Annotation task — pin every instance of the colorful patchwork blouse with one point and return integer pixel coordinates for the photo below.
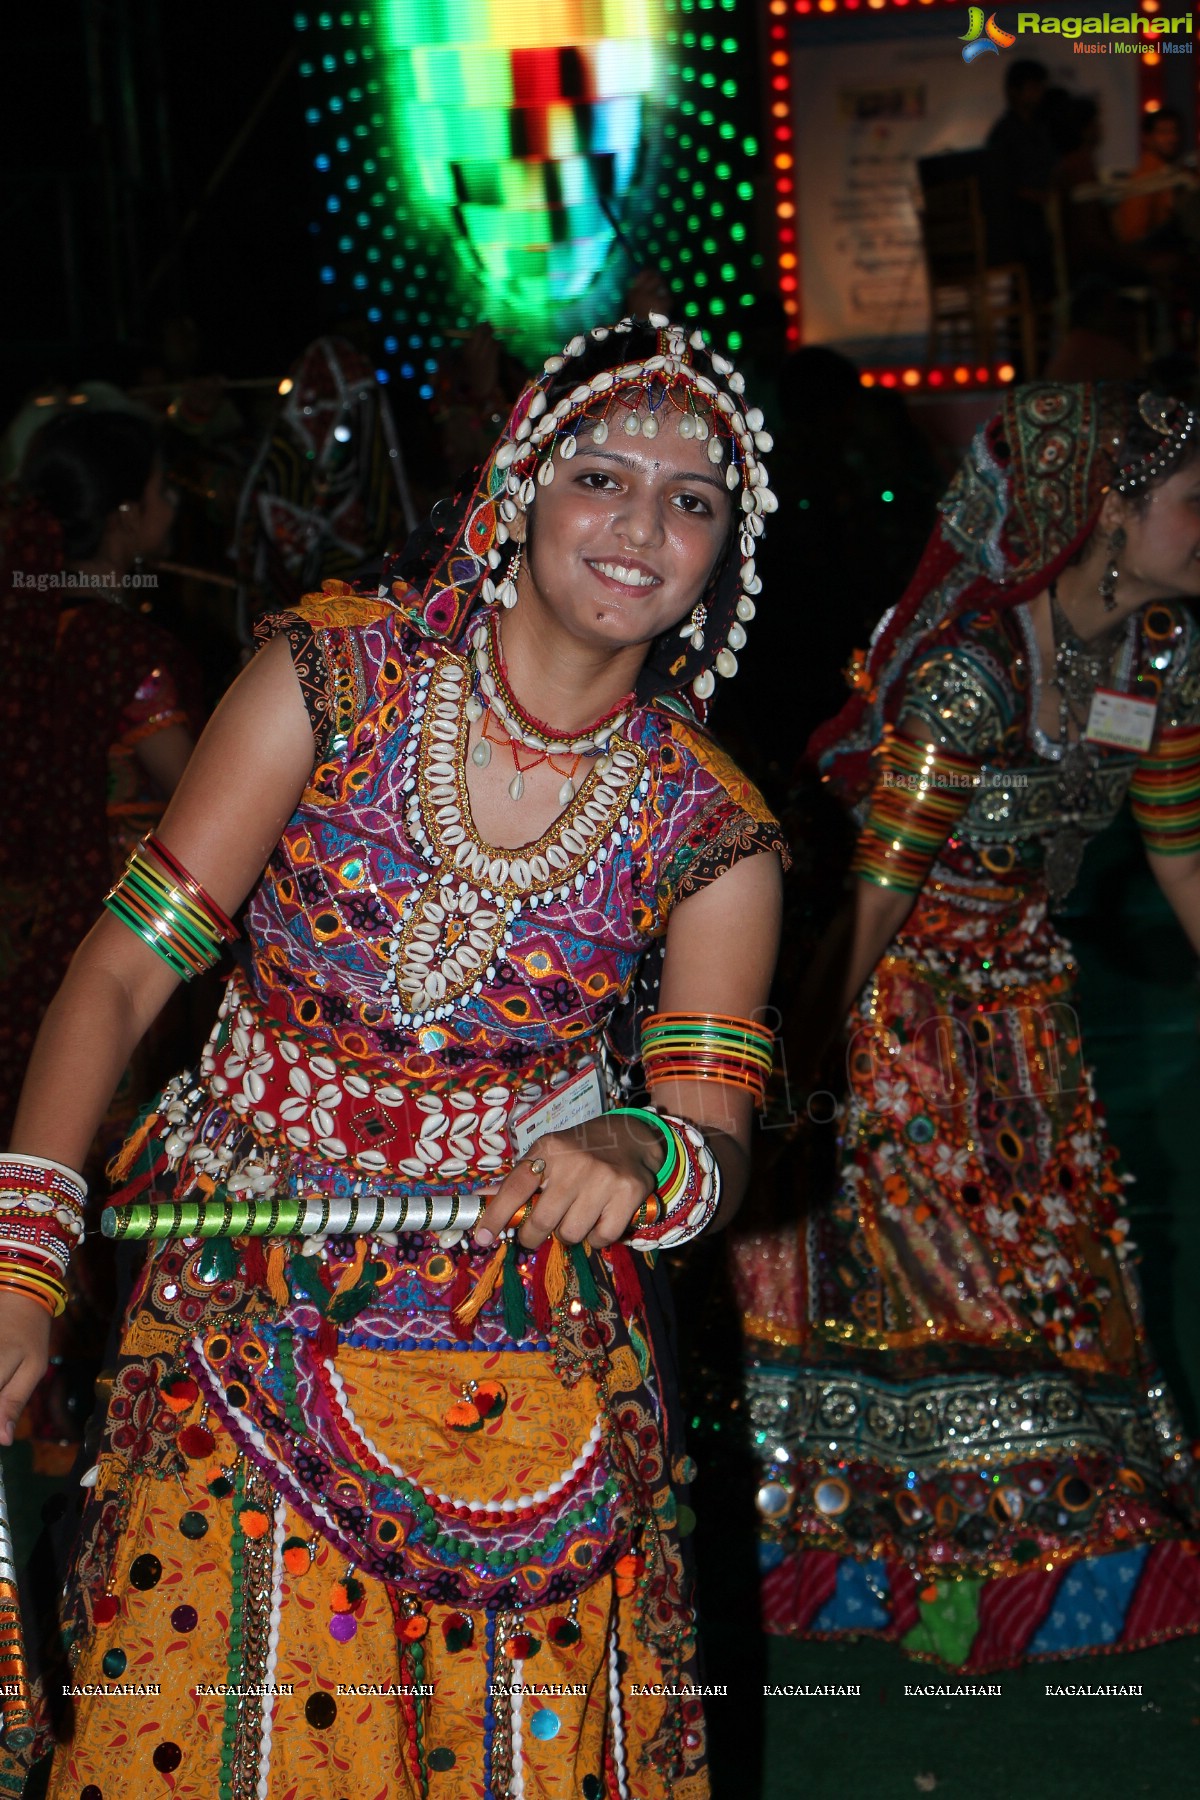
(437, 953)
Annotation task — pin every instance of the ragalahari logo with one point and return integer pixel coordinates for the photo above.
(983, 36)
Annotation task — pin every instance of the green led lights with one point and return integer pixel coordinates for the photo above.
(520, 140)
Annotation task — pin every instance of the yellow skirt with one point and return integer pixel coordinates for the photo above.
(344, 1706)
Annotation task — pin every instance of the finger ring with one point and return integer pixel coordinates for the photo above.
(538, 1165)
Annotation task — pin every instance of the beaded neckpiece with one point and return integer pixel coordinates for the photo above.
(455, 928)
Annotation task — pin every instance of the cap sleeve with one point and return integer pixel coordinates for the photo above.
(334, 661)
(959, 694)
(717, 817)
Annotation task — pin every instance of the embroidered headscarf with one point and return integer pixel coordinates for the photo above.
(631, 376)
(1023, 504)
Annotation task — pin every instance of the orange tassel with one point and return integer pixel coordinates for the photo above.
(556, 1273)
(277, 1286)
(127, 1155)
(354, 1269)
(469, 1309)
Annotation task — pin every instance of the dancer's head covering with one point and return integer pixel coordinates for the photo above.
(1023, 505)
(628, 376)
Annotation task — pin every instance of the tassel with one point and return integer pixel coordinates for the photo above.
(146, 1179)
(122, 1163)
(254, 1262)
(275, 1280)
(353, 1269)
(627, 1288)
(459, 1290)
(516, 1319)
(587, 1286)
(468, 1310)
(326, 1340)
(556, 1274)
(543, 1312)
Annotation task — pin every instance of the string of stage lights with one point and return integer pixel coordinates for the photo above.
(521, 166)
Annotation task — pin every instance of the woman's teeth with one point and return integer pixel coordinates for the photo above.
(628, 577)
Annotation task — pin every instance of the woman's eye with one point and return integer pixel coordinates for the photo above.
(596, 480)
(693, 503)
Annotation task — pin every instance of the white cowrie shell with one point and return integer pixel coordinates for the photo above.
(371, 1159)
(253, 1086)
(736, 638)
(323, 1121)
(329, 1095)
(727, 663)
(333, 1146)
(294, 1109)
(746, 608)
(704, 685)
(357, 1086)
(299, 1136)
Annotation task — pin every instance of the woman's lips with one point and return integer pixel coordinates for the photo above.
(623, 574)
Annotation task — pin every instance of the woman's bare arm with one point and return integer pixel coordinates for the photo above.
(239, 790)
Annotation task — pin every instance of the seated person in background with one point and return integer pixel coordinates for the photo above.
(1018, 174)
(1090, 243)
(1154, 216)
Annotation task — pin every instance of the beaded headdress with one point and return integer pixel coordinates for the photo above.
(643, 370)
(1024, 502)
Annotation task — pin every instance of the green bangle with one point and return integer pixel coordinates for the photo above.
(652, 1118)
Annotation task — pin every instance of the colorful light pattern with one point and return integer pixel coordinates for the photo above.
(471, 155)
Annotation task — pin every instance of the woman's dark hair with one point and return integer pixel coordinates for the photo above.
(82, 465)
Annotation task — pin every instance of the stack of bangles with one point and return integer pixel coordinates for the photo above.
(41, 1219)
(160, 902)
(708, 1047)
(921, 793)
(687, 1188)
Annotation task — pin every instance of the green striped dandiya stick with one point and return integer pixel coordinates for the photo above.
(311, 1215)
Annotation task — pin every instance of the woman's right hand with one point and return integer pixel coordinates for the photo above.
(24, 1355)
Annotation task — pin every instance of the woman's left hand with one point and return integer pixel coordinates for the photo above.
(594, 1179)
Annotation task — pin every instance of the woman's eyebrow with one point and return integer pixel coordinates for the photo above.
(629, 462)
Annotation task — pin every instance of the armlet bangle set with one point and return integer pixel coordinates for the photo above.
(687, 1188)
(41, 1219)
(921, 793)
(719, 1047)
(1165, 793)
(169, 911)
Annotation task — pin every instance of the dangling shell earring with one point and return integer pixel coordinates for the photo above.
(1111, 575)
(506, 593)
(693, 625)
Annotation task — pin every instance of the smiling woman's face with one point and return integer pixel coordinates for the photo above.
(623, 540)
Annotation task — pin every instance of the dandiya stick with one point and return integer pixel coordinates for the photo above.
(15, 1720)
(303, 1216)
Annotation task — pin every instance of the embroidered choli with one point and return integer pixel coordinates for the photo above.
(384, 925)
(977, 691)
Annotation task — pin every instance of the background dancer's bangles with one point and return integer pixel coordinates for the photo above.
(16, 1726)
(303, 1216)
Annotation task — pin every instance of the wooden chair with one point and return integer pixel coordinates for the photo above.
(984, 311)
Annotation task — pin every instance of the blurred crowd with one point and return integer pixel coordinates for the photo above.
(1115, 255)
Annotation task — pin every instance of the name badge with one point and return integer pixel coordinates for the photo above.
(574, 1103)
(1121, 720)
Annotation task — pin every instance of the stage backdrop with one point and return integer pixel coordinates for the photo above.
(864, 112)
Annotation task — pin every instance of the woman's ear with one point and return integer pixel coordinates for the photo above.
(518, 530)
(1114, 512)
